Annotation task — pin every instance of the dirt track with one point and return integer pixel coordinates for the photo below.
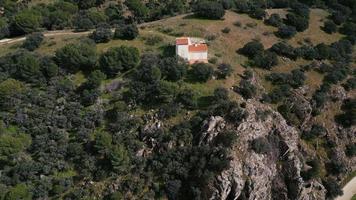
(349, 190)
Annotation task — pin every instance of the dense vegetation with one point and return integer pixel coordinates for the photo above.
(133, 124)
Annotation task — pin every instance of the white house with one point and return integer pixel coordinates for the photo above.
(192, 49)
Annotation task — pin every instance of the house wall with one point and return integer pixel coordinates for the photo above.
(198, 55)
(182, 51)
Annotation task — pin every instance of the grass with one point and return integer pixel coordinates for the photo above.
(348, 178)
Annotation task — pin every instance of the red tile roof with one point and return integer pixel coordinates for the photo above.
(198, 48)
(182, 41)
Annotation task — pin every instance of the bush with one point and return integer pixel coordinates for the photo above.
(226, 30)
(221, 94)
(76, 57)
(257, 13)
(127, 32)
(350, 150)
(348, 28)
(274, 20)
(33, 41)
(119, 59)
(246, 89)
(188, 98)
(315, 131)
(24, 22)
(286, 32)
(265, 60)
(224, 70)
(202, 72)
(261, 145)
(251, 49)
(4, 28)
(332, 187)
(284, 49)
(350, 84)
(172, 69)
(300, 23)
(338, 18)
(209, 10)
(102, 34)
(329, 27)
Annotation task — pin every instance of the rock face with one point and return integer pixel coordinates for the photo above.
(273, 175)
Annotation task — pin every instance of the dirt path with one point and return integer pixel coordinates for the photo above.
(46, 34)
(349, 190)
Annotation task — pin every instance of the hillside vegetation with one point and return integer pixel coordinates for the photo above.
(107, 111)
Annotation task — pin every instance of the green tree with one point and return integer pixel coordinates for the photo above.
(26, 21)
(103, 142)
(76, 57)
(20, 191)
(102, 34)
(202, 72)
(11, 145)
(119, 59)
(119, 158)
(95, 78)
(251, 49)
(33, 41)
(209, 10)
(4, 28)
(126, 32)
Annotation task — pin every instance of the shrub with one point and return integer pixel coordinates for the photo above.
(237, 23)
(33, 41)
(188, 98)
(119, 59)
(348, 28)
(265, 60)
(202, 72)
(226, 30)
(76, 57)
(257, 13)
(224, 70)
(4, 28)
(246, 89)
(286, 31)
(332, 187)
(350, 150)
(209, 10)
(26, 21)
(274, 20)
(284, 49)
(153, 40)
(350, 84)
(300, 23)
(251, 49)
(172, 69)
(126, 32)
(102, 34)
(329, 27)
(83, 24)
(338, 18)
(261, 145)
(315, 131)
(221, 93)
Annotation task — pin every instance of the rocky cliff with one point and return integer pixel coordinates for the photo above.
(269, 175)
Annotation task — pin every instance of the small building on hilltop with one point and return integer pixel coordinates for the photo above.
(192, 50)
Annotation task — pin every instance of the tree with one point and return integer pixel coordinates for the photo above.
(172, 68)
(209, 10)
(251, 49)
(119, 158)
(126, 32)
(119, 59)
(265, 60)
(74, 57)
(350, 150)
(188, 98)
(261, 145)
(221, 93)
(274, 20)
(299, 22)
(246, 89)
(332, 187)
(24, 22)
(20, 191)
(202, 72)
(284, 49)
(4, 28)
(11, 145)
(224, 70)
(102, 34)
(28, 67)
(138, 8)
(257, 13)
(33, 41)
(286, 31)
(329, 27)
(94, 79)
